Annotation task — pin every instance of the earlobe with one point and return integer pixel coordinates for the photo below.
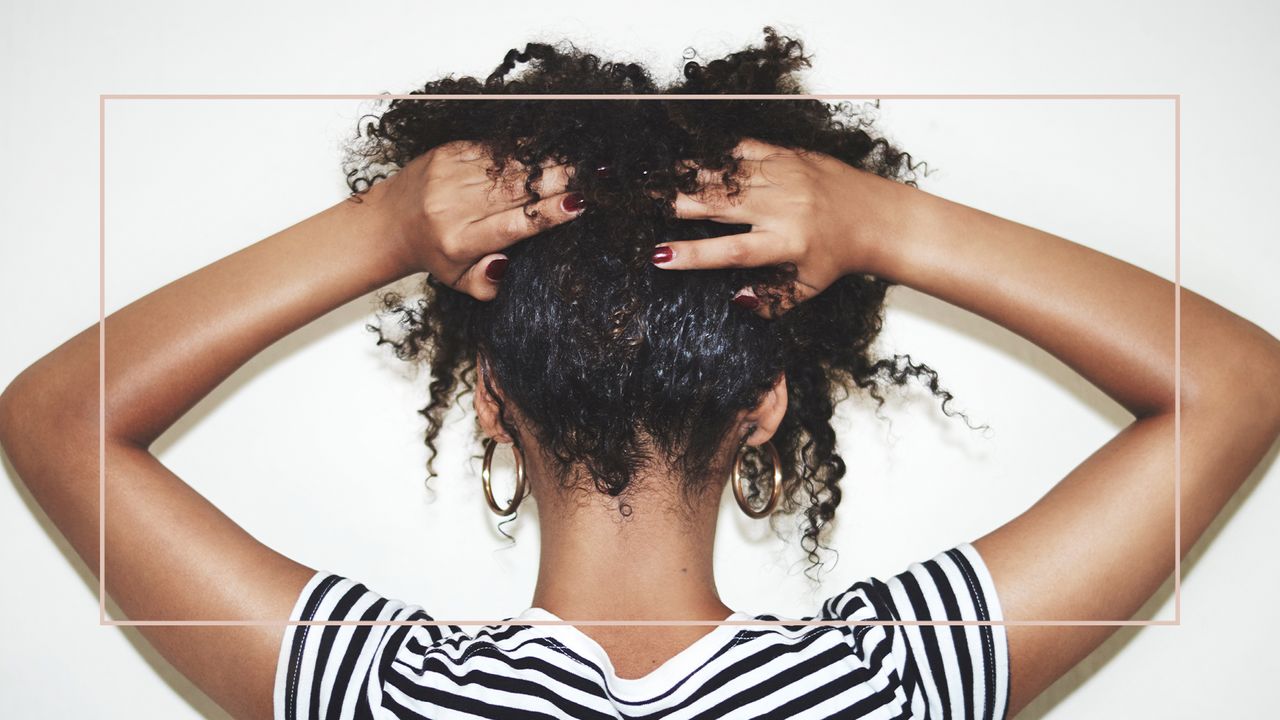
(768, 413)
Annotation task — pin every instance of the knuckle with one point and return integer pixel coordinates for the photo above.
(737, 252)
(688, 253)
(457, 146)
(439, 155)
(436, 176)
(469, 283)
(803, 197)
(795, 245)
(434, 207)
(515, 224)
(505, 190)
(452, 249)
(466, 284)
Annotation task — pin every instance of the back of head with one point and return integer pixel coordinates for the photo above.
(612, 364)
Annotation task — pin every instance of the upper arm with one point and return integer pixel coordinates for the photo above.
(169, 553)
(1100, 543)
(173, 555)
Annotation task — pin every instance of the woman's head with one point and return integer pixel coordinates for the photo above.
(607, 364)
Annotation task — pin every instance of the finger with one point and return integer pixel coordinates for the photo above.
(465, 151)
(717, 181)
(481, 280)
(554, 179)
(751, 152)
(509, 190)
(507, 227)
(749, 301)
(706, 177)
(747, 175)
(714, 201)
(756, 149)
(713, 206)
(771, 304)
(750, 249)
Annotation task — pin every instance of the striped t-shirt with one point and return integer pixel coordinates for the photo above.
(734, 671)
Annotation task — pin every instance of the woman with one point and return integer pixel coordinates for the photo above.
(648, 291)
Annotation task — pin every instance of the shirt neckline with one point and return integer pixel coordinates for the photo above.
(656, 681)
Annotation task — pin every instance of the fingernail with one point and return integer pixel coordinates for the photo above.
(496, 269)
(604, 171)
(662, 254)
(746, 302)
(573, 202)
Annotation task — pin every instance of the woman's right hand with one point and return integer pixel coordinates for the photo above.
(453, 220)
(822, 216)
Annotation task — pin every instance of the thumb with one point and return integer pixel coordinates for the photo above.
(481, 280)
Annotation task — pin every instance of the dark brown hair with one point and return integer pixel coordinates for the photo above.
(611, 362)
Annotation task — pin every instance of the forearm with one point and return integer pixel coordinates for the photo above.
(167, 350)
(1110, 321)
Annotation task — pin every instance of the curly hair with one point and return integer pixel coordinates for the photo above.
(612, 363)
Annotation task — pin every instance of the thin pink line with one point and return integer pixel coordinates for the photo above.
(644, 96)
(1177, 98)
(1177, 358)
(656, 623)
(102, 360)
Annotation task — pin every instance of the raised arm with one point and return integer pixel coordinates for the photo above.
(171, 554)
(1100, 543)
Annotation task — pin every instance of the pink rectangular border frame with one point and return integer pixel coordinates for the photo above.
(1177, 334)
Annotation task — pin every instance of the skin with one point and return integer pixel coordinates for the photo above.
(1096, 546)
(657, 565)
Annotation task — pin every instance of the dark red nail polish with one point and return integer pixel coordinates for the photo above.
(496, 269)
(662, 254)
(573, 202)
(747, 302)
(604, 171)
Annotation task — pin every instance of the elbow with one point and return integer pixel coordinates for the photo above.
(1269, 389)
(1262, 374)
(9, 412)
(35, 409)
(18, 406)
(1245, 385)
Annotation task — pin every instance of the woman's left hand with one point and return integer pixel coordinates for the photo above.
(808, 209)
(451, 218)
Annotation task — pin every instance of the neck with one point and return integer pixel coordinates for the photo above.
(654, 564)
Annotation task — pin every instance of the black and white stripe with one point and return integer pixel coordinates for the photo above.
(782, 671)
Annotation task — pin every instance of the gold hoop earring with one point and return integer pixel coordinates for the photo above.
(486, 479)
(775, 494)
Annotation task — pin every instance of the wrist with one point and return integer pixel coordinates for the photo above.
(892, 221)
(381, 233)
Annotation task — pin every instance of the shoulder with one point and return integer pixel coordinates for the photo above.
(342, 638)
(936, 625)
(351, 651)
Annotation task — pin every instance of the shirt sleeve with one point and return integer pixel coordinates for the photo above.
(326, 672)
(955, 671)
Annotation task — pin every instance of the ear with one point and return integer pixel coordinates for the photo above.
(487, 404)
(768, 413)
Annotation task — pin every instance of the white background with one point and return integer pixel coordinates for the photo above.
(323, 423)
